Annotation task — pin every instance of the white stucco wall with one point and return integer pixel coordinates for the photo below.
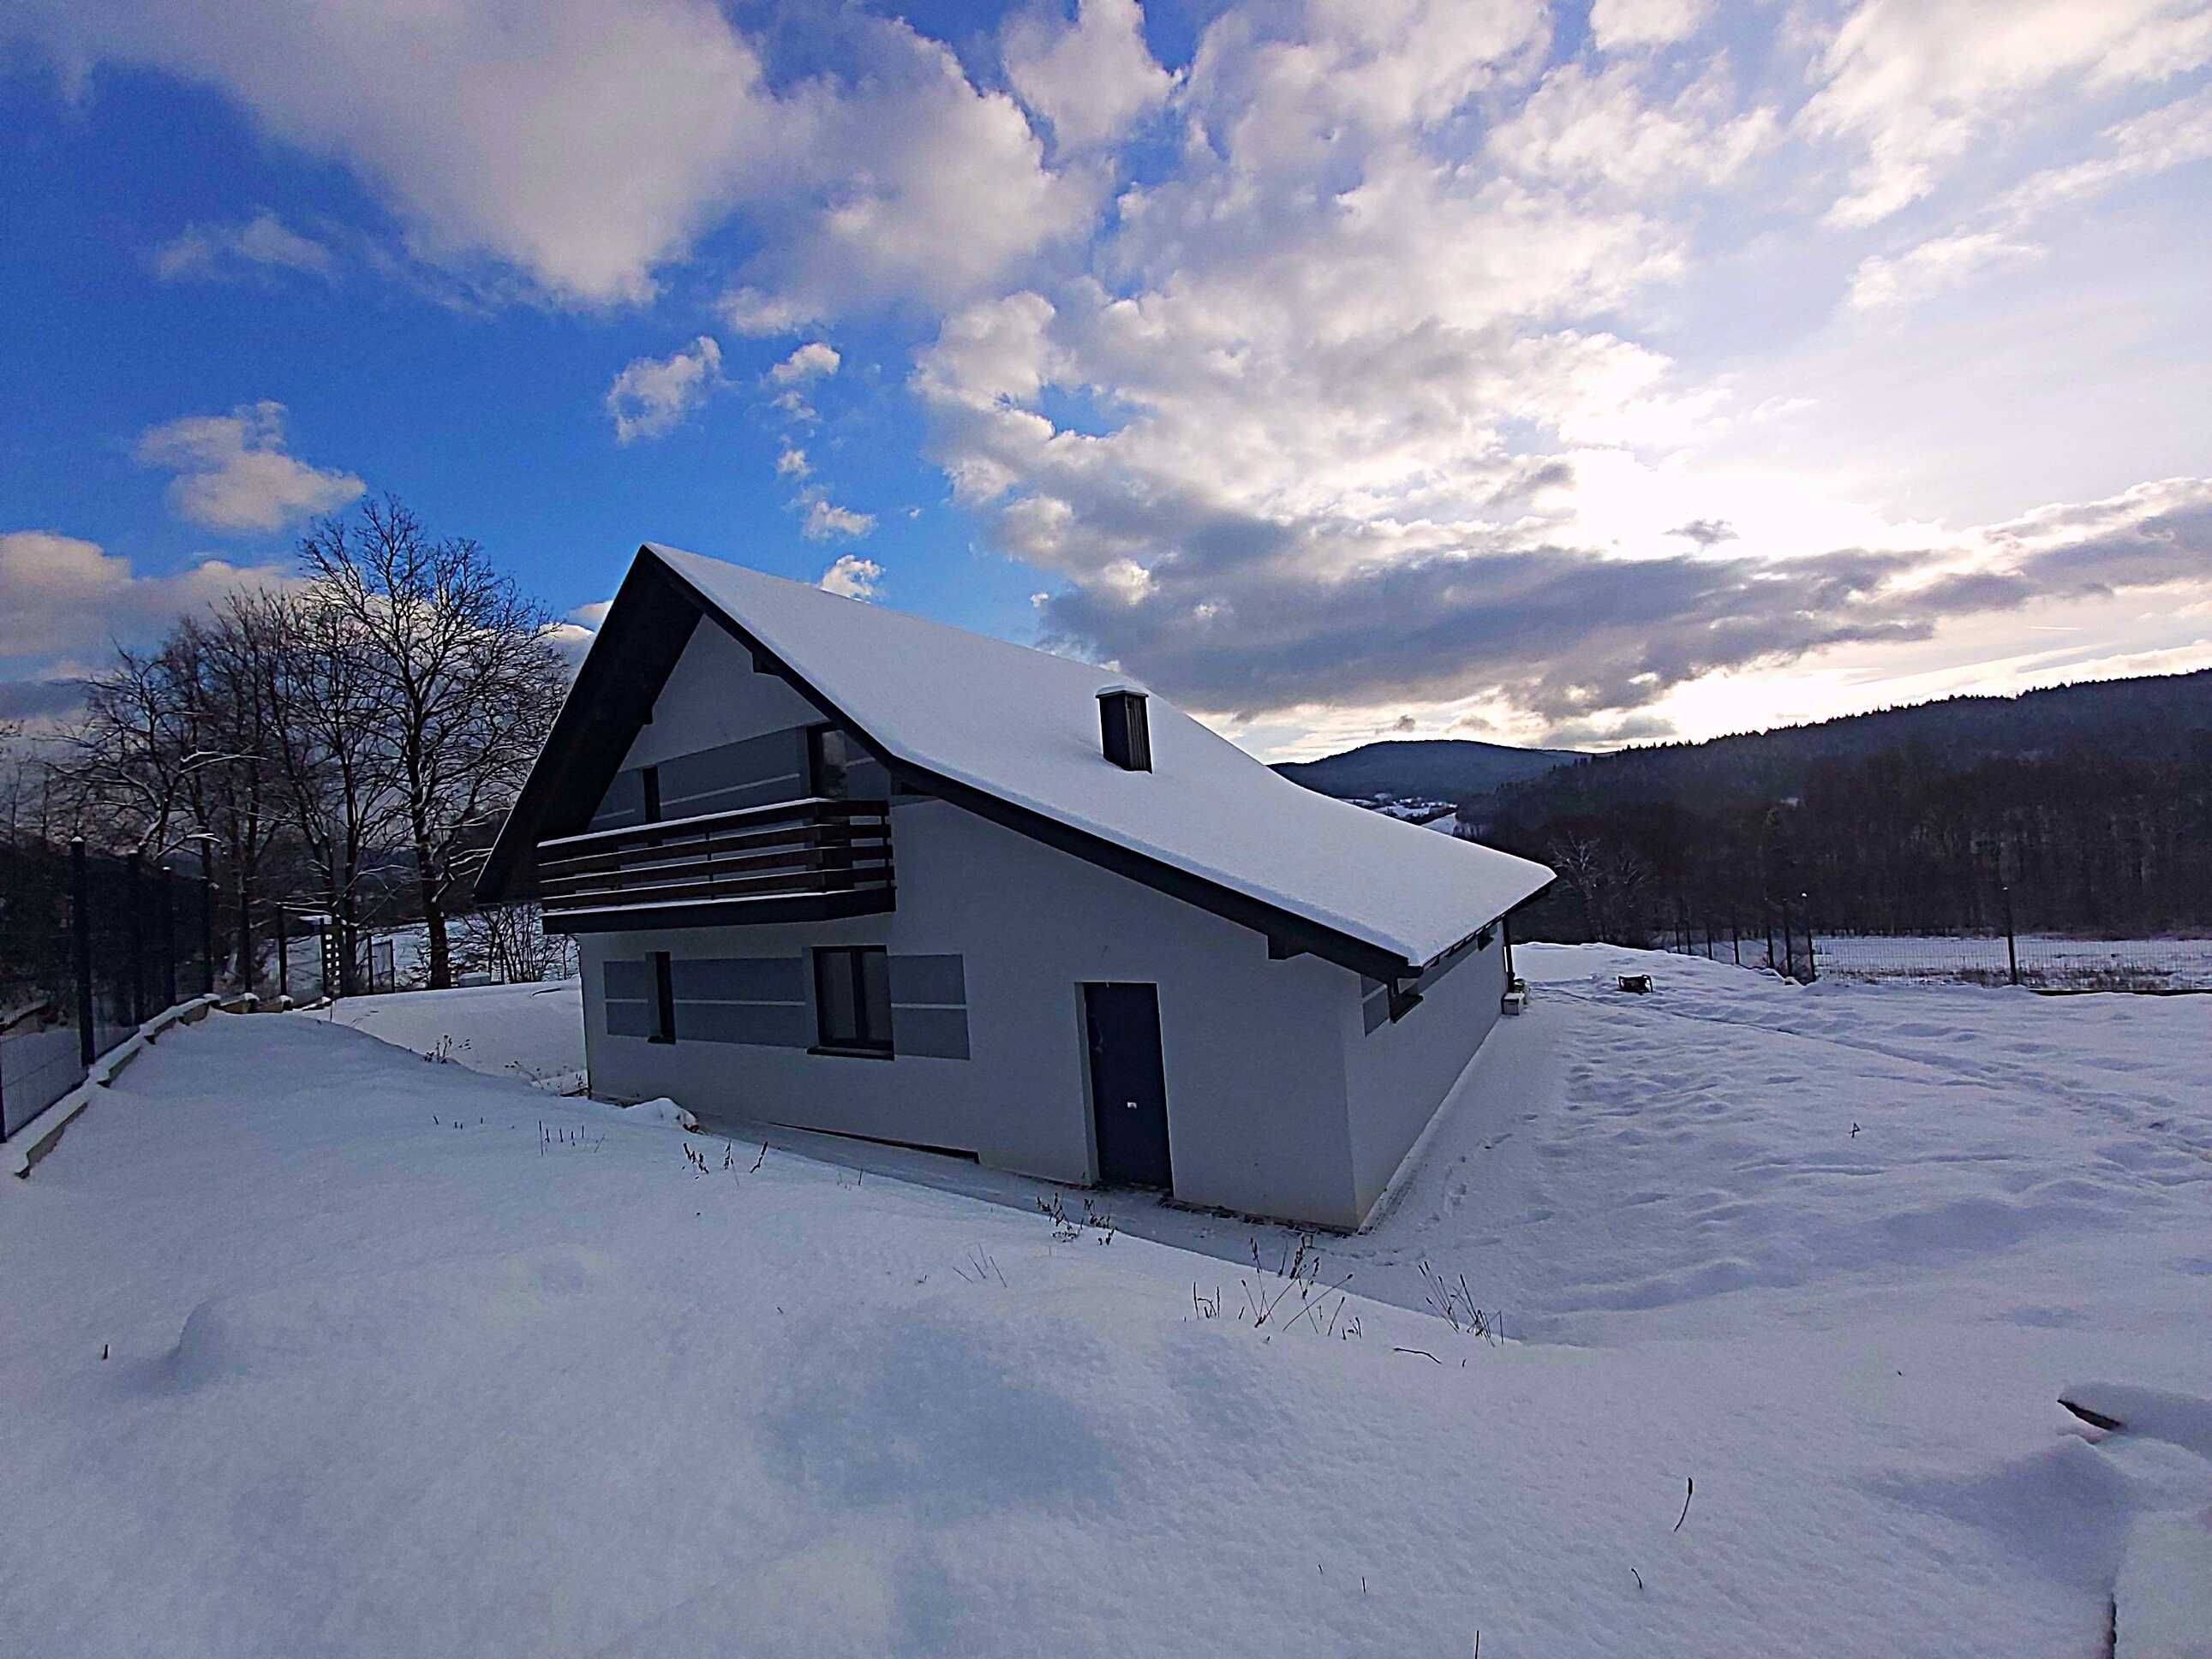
(1253, 1048)
(1399, 1073)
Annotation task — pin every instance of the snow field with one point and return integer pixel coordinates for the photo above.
(2168, 964)
(406, 1358)
(533, 1032)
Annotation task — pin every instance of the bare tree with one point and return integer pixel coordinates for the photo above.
(1580, 861)
(333, 769)
(26, 787)
(466, 683)
(127, 767)
(1608, 878)
(236, 653)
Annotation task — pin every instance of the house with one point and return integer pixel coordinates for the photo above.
(838, 868)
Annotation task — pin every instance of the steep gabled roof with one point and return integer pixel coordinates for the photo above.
(1013, 734)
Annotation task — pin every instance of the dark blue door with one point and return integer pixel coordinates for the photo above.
(1128, 1085)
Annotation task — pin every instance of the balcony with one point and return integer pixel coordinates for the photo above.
(800, 861)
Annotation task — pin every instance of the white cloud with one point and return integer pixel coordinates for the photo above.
(652, 396)
(816, 360)
(826, 521)
(2146, 144)
(262, 243)
(792, 462)
(917, 186)
(1914, 84)
(233, 474)
(1606, 128)
(1617, 25)
(853, 576)
(1931, 267)
(582, 141)
(1091, 77)
(66, 594)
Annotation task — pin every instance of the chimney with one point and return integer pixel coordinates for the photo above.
(1124, 729)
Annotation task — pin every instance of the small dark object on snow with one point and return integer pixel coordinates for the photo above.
(1640, 983)
(2094, 1420)
(1689, 1491)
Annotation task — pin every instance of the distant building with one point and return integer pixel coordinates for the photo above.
(846, 870)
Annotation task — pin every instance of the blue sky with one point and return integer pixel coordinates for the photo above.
(1576, 372)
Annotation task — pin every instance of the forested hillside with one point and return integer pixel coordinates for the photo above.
(2091, 803)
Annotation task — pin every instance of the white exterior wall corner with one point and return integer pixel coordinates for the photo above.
(1400, 1073)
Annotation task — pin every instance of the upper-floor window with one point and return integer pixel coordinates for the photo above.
(842, 770)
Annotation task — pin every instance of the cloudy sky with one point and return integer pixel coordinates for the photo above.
(1583, 372)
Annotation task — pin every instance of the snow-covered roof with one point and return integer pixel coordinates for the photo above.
(1022, 726)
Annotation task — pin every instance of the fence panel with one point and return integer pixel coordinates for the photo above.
(91, 947)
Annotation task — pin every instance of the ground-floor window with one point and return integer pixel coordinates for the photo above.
(664, 999)
(852, 998)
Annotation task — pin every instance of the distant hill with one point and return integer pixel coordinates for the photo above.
(1436, 768)
(2083, 808)
(2152, 718)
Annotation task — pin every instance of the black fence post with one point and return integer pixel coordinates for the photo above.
(168, 937)
(1812, 962)
(134, 909)
(1735, 936)
(283, 960)
(2012, 944)
(80, 937)
(207, 934)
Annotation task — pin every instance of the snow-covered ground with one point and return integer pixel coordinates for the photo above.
(2046, 959)
(403, 1358)
(534, 1032)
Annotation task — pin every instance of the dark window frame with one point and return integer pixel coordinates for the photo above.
(870, 1037)
(664, 999)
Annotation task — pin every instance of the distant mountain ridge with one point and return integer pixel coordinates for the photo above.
(1430, 768)
(2152, 717)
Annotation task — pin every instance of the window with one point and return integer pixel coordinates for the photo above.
(664, 999)
(651, 778)
(840, 770)
(853, 999)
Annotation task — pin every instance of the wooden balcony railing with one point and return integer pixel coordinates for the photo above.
(795, 861)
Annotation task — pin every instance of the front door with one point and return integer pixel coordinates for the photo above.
(1128, 1085)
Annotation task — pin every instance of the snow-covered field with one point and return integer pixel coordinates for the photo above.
(2045, 959)
(534, 1032)
(404, 1358)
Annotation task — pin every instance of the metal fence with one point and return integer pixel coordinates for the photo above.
(1773, 936)
(91, 947)
(1787, 939)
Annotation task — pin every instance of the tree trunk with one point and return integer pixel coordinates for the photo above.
(434, 921)
(248, 970)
